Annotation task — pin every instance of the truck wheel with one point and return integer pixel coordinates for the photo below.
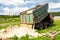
(51, 23)
(40, 26)
(45, 25)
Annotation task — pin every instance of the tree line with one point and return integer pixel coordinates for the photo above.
(55, 13)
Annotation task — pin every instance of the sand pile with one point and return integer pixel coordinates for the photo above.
(18, 31)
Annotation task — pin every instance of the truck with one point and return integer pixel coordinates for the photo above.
(37, 17)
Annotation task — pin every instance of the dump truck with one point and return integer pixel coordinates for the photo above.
(37, 17)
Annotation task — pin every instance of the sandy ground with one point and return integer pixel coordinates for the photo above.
(18, 31)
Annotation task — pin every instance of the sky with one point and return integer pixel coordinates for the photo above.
(14, 7)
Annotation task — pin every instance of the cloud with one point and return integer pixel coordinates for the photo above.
(10, 2)
(20, 2)
(14, 7)
(6, 9)
(13, 11)
(54, 5)
(31, 1)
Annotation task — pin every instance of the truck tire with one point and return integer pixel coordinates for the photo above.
(50, 23)
(45, 25)
(41, 26)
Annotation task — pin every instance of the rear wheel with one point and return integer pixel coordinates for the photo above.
(50, 23)
(41, 26)
(45, 25)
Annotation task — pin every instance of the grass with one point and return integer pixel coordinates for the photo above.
(13, 38)
(56, 27)
(41, 38)
(57, 37)
(35, 38)
(16, 21)
(4, 27)
(25, 37)
(55, 13)
(11, 20)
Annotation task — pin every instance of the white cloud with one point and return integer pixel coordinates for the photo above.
(13, 11)
(31, 1)
(37, 1)
(54, 5)
(6, 9)
(17, 10)
(18, 2)
(9, 2)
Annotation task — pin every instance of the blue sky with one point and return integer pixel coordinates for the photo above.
(14, 7)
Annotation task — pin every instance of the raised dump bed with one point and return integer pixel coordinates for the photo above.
(34, 15)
